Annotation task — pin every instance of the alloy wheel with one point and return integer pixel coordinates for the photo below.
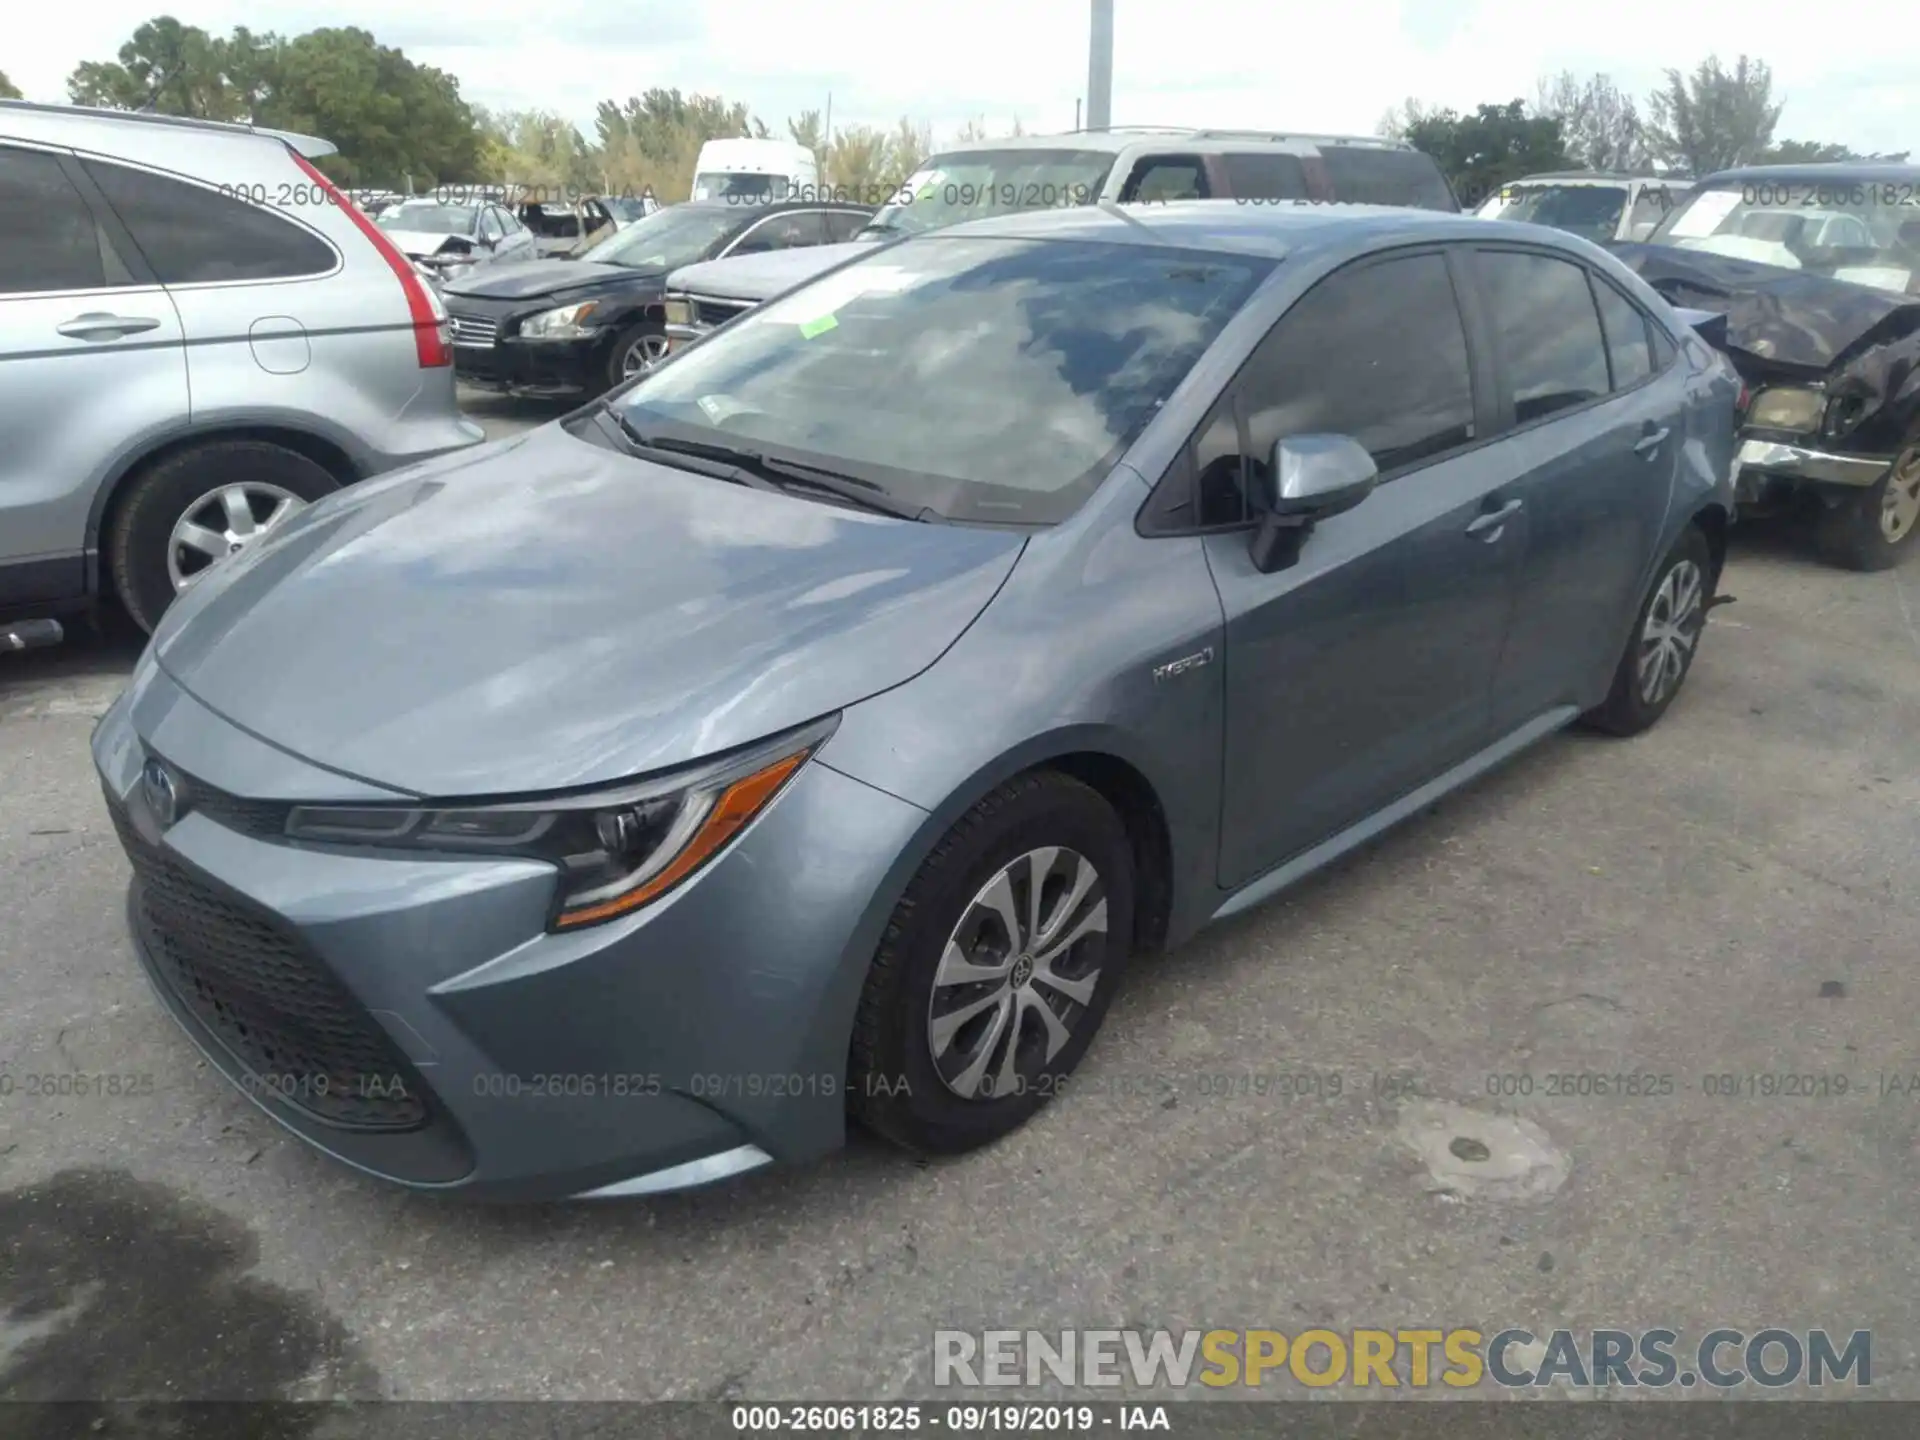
(224, 522)
(1017, 973)
(1900, 510)
(642, 355)
(1671, 631)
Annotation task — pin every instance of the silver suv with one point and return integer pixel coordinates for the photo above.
(198, 335)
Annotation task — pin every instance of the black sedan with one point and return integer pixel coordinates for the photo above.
(579, 327)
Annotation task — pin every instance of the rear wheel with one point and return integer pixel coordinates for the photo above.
(1873, 529)
(198, 506)
(996, 968)
(1666, 636)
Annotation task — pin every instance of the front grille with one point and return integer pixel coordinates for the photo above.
(709, 313)
(265, 819)
(301, 1038)
(474, 331)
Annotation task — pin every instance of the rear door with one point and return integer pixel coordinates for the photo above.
(792, 230)
(91, 363)
(1598, 424)
(1363, 670)
(1375, 175)
(1268, 176)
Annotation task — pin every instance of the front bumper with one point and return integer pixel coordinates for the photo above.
(515, 366)
(1800, 462)
(412, 1017)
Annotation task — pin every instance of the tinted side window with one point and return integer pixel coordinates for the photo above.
(192, 234)
(844, 225)
(1219, 473)
(1167, 177)
(783, 232)
(1548, 329)
(1253, 176)
(1626, 331)
(1377, 352)
(1363, 176)
(51, 241)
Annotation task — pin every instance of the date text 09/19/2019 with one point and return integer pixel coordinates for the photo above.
(959, 1419)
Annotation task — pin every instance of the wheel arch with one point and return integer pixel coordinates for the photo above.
(328, 453)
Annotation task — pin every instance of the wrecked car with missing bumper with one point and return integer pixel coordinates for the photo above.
(1817, 270)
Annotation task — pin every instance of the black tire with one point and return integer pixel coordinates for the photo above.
(1628, 710)
(623, 342)
(157, 498)
(1852, 535)
(894, 1087)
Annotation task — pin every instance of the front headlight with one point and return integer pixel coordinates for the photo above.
(1787, 408)
(679, 312)
(616, 849)
(564, 323)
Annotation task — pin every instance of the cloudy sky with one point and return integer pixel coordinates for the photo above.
(1330, 67)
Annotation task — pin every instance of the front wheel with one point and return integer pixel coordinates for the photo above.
(636, 350)
(1666, 636)
(996, 968)
(1873, 529)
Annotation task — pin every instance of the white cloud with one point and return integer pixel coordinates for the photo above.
(1195, 62)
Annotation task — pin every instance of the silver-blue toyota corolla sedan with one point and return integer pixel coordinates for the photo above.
(810, 730)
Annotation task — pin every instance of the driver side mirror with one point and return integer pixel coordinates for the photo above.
(1310, 478)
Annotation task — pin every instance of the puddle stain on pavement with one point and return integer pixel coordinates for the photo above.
(114, 1289)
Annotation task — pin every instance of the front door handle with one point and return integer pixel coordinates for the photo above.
(1650, 442)
(1488, 526)
(98, 325)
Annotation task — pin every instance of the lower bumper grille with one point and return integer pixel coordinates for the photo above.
(301, 1038)
(708, 314)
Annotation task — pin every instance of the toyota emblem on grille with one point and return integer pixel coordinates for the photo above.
(162, 793)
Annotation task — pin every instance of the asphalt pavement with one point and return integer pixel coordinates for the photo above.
(1728, 896)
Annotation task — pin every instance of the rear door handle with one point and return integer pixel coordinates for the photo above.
(1489, 525)
(97, 325)
(1650, 441)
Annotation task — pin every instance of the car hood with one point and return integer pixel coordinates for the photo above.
(524, 279)
(760, 277)
(545, 613)
(420, 242)
(1786, 320)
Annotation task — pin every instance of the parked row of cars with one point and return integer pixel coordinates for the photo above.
(811, 725)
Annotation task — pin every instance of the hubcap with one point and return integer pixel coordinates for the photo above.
(1671, 631)
(1901, 508)
(224, 522)
(643, 354)
(1017, 973)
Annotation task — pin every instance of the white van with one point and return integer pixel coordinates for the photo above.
(754, 170)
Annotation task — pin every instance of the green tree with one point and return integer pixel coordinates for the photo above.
(860, 159)
(1480, 152)
(807, 130)
(538, 148)
(7, 88)
(173, 68)
(1601, 127)
(910, 145)
(390, 118)
(1714, 119)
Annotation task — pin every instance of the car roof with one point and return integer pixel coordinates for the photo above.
(1845, 171)
(311, 146)
(1233, 227)
(1595, 177)
(770, 207)
(1116, 138)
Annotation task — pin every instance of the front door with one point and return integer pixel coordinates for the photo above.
(1364, 669)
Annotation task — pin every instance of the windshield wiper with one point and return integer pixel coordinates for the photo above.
(638, 442)
(774, 473)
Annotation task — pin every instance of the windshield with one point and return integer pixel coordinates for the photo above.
(1867, 232)
(675, 236)
(988, 380)
(429, 218)
(739, 185)
(1592, 211)
(624, 209)
(975, 183)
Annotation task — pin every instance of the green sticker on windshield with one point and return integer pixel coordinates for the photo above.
(818, 327)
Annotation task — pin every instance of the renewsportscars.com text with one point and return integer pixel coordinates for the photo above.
(1415, 1358)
